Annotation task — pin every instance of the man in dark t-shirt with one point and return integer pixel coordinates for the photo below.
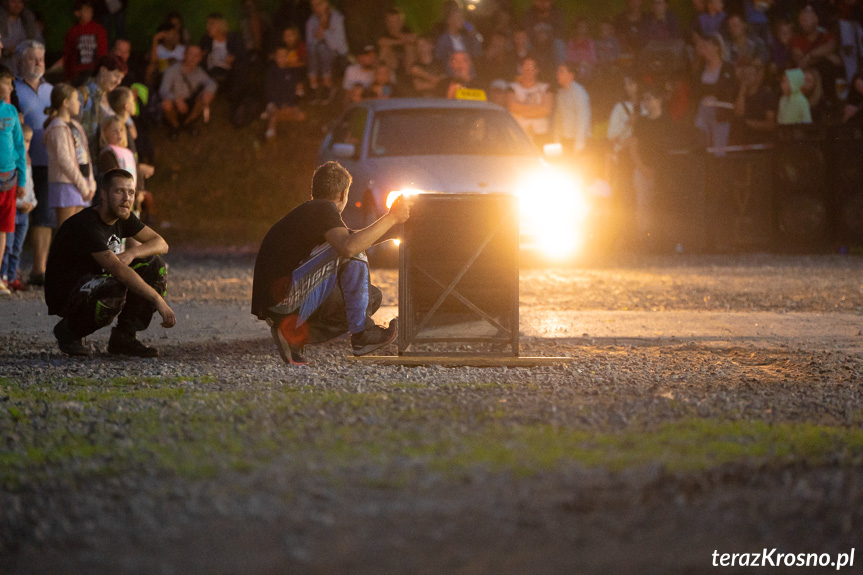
(90, 280)
(311, 280)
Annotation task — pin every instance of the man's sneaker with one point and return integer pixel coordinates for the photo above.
(36, 279)
(373, 338)
(290, 354)
(4, 290)
(124, 345)
(68, 343)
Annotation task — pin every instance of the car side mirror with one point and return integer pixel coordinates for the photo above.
(344, 151)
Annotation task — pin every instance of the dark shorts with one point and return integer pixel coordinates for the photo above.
(42, 215)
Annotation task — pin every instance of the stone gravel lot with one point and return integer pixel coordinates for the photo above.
(714, 403)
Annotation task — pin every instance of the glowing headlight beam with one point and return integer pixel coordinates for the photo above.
(553, 210)
(407, 192)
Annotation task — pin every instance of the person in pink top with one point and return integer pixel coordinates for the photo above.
(71, 184)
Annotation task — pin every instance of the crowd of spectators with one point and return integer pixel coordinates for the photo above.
(729, 75)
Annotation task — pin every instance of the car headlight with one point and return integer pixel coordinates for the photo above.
(392, 196)
(553, 209)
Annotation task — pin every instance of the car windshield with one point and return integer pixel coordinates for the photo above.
(447, 131)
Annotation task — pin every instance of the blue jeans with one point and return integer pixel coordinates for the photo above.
(321, 59)
(14, 246)
(347, 309)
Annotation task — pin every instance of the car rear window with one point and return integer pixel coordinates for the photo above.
(435, 132)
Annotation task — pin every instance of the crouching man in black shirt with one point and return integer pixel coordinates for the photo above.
(311, 280)
(90, 281)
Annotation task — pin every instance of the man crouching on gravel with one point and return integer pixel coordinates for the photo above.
(311, 279)
(90, 280)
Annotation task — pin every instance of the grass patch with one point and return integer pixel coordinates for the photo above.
(84, 428)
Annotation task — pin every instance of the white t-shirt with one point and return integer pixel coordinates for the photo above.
(176, 54)
(531, 96)
(356, 74)
(218, 57)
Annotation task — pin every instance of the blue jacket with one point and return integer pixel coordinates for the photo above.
(13, 156)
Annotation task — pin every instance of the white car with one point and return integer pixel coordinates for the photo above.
(413, 145)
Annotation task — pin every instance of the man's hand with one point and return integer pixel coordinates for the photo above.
(126, 257)
(181, 106)
(168, 318)
(26, 207)
(401, 209)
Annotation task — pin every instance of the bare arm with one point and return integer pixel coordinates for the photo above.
(152, 244)
(542, 110)
(350, 244)
(124, 274)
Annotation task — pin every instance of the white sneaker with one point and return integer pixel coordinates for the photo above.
(3, 289)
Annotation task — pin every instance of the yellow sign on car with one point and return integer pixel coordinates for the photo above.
(470, 94)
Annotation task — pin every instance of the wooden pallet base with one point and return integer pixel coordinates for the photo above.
(462, 361)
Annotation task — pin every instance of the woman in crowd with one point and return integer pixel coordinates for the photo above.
(326, 42)
(716, 92)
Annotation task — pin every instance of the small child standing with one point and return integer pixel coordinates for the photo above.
(281, 92)
(15, 240)
(86, 42)
(13, 162)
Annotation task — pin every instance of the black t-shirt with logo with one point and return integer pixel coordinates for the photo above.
(288, 243)
(71, 255)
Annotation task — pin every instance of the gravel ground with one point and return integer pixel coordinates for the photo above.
(649, 451)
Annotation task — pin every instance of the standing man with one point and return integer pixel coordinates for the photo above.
(311, 280)
(571, 126)
(90, 280)
(34, 96)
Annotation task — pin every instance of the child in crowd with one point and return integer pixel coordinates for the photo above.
(793, 106)
(115, 152)
(122, 102)
(296, 56)
(71, 183)
(354, 95)
(85, 43)
(165, 51)
(608, 48)
(281, 91)
(581, 49)
(15, 240)
(13, 162)
(382, 86)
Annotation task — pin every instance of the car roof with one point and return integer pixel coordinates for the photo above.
(425, 103)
